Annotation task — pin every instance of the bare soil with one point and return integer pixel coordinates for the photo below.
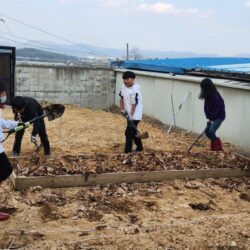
(200, 214)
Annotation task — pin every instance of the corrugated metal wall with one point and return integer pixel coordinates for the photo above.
(157, 89)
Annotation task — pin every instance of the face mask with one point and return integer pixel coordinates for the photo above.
(3, 99)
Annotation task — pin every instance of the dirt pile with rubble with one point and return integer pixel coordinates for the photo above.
(200, 214)
(136, 162)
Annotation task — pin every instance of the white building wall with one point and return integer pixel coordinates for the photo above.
(157, 89)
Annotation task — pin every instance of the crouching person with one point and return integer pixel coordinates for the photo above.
(5, 166)
(214, 108)
(25, 109)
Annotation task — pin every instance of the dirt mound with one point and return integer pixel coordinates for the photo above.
(107, 163)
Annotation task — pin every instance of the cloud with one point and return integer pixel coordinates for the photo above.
(69, 1)
(155, 8)
(248, 3)
(165, 8)
(116, 3)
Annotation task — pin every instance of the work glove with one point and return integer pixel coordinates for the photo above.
(22, 124)
(127, 115)
(124, 112)
(130, 118)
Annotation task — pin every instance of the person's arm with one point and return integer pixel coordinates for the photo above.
(133, 107)
(121, 104)
(134, 100)
(8, 124)
(34, 130)
(218, 106)
(33, 110)
(16, 118)
(121, 101)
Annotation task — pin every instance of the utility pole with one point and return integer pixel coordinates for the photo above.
(127, 52)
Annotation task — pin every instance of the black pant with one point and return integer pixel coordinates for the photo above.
(41, 130)
(130, 134)
(5, 167)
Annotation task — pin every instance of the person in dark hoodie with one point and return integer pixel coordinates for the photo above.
(214, 108)
(25, 109)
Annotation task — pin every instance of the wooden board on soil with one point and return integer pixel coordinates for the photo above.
(100, 168)
(60, 181)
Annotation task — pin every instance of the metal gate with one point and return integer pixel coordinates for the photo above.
(7, 69)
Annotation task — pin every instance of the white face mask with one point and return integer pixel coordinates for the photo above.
(3, 99)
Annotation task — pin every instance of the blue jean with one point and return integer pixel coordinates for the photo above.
(210, 132)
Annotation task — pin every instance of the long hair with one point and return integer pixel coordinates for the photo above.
(207, 88)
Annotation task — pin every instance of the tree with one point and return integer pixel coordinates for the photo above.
(134, 54)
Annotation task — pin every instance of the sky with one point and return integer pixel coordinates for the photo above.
(219, 27)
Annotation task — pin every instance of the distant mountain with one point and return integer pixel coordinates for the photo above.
(86, 50)
(40, 55)
(174, 54)
(243, 55)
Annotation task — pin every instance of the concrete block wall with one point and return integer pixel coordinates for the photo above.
(92, 87)
(157, 89)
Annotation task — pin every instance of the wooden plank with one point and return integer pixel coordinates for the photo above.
(28, 157)
(22, 182)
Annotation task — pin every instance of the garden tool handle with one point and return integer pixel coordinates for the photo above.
(198, 138)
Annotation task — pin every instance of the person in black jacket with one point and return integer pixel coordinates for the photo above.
(25, 109)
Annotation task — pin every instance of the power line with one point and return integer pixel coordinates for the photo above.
(12, 40)
(40, 43)
(5, 25)
(54, 35)
(32, 46)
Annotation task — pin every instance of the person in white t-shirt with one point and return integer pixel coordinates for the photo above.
(5, 166)
(131, 103)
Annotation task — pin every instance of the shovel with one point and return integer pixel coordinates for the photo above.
(144, 135)
(198, 138)
(52, 111)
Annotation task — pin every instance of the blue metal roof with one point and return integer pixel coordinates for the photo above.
(243, 68)
(181, 65)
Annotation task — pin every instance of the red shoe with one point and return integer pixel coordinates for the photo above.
(4, 216)
(219, 145)
(216, 145)
(213, 145)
